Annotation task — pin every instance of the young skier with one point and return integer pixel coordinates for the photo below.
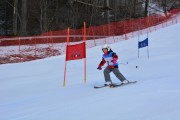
(110, 58)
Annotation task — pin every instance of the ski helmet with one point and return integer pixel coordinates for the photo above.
(106, 46)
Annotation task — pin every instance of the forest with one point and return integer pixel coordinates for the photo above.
(33, 17)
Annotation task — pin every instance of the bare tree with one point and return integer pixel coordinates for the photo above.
(31, 17)
(146, 8)
(15, 17)
(43, 15)
(23, 20)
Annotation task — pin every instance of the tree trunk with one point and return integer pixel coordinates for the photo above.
(134, 8)
(106, 15)
(15, 17)
(146, 8)
(45, 18)
(164, 5)
(43, 15)
(23, 30)
(6, 20)
(57, 16)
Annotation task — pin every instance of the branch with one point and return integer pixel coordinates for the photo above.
(102, 7)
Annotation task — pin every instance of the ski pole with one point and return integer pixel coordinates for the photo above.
(129, 65)
(124, 63)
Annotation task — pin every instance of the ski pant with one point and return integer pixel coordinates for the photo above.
(117, 73)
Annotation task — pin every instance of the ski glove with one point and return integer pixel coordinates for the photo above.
(99, 68)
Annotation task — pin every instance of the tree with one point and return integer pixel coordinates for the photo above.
(23, 20)
(32, 17)
(15, 17)
(146, 8)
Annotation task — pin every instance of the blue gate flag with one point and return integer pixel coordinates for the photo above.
(143, 43)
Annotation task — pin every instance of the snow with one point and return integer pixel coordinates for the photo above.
(33, 90)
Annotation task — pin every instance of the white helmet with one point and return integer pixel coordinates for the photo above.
(106, 46)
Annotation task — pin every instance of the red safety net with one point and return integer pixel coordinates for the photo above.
(44, 45)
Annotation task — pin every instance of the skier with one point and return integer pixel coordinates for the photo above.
(110, 58)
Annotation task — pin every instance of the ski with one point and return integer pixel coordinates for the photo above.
(122, 84)
(96, 87)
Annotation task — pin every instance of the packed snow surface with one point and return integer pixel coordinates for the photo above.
(34, 90)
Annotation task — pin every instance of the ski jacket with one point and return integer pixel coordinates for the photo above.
(110, 59)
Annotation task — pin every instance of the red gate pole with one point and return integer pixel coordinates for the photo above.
(64, 84)
(19, 50)
(84, 38)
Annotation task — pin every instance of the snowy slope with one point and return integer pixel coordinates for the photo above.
(33, 90)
